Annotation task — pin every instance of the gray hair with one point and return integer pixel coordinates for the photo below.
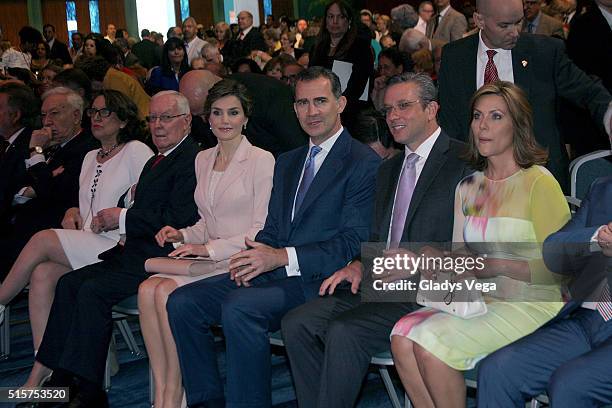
(427, 89)
(413, 40)
(404, 16)
(181, 101)
(72, 98)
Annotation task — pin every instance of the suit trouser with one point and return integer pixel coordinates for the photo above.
(330, 342)
(80, 323)
(247, 315)
(570, 359)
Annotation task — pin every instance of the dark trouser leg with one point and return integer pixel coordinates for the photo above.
(521, 370)
(91, 292)
(352, 339)
(304, 333)
(192, 310)
(248, 315)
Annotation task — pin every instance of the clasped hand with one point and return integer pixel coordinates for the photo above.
(106, 220)
(604, 239)
(258, 258)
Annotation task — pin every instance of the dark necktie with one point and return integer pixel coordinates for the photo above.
(51, 152)
(438, 17)
(156, 161)
(530, 28)
(490, 73)
(309, 173)
(403, 196)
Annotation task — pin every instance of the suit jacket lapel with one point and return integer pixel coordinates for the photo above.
(389, 198)
(471, 61)
(520, 65)
(234, 170)
(326, 174)
(434, 162)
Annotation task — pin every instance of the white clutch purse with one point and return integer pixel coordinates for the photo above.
(445, 295)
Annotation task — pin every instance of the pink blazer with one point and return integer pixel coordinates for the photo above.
(240, 203)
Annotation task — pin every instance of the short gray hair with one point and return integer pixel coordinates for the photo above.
(427, 89)
(404, 16)
(413, 40)
(72, 98)
(181, 101)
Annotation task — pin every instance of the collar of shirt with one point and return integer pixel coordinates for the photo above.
(443, 12)
(535, 22)
(51, 43)
(167, 153)
(245, 32)
(502, 60)
(607, 15)
(422, 151)
(14, 136)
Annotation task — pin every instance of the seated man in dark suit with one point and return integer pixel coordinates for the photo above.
(53, 166)
(19, 107)
(79, 330)
(318, 214)
(351, 331)
(571, 357)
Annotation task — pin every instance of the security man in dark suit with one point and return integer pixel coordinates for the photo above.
(538, 64)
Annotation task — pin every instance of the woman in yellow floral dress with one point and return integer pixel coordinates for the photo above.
(505, 209)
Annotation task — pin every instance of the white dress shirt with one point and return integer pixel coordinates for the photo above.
(502, 60)
(421, 26)
(293, 267)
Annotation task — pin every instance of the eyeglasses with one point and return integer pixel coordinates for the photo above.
(104, 112)
(162, 118)
(401, 107)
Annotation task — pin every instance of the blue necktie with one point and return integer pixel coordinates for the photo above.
(309, 173)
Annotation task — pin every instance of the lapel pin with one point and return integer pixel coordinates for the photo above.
(524, 62)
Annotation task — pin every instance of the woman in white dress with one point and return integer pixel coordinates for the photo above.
(106, 174)
(232, 194)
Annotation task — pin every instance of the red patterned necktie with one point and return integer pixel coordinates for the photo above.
(604, 305)
(159, 158)
(490, 73)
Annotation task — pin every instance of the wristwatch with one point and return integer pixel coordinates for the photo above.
(36, 149)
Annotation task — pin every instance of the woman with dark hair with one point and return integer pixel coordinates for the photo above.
(343, 38)
(106, 174)
(40, 59)
(94, 44)
(173, 66)
(372, 130)
(246, 65)
(504, 210)
(234, 185)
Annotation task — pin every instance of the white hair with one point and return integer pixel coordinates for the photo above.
(182, 103)
(72, 98)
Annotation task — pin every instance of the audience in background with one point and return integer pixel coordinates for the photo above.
(173, 66)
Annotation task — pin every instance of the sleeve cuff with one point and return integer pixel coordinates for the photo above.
(293, 269)
(594, 247)
(37, 158)
(122, 216)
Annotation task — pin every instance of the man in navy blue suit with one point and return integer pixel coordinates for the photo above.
(571, 357)
(318, 215)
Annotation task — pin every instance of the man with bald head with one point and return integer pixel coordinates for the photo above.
(539, 65)
(249, 39)
(194, 86)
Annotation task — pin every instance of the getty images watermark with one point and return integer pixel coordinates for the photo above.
(407, 264)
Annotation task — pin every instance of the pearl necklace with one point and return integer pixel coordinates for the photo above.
(105, 153)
